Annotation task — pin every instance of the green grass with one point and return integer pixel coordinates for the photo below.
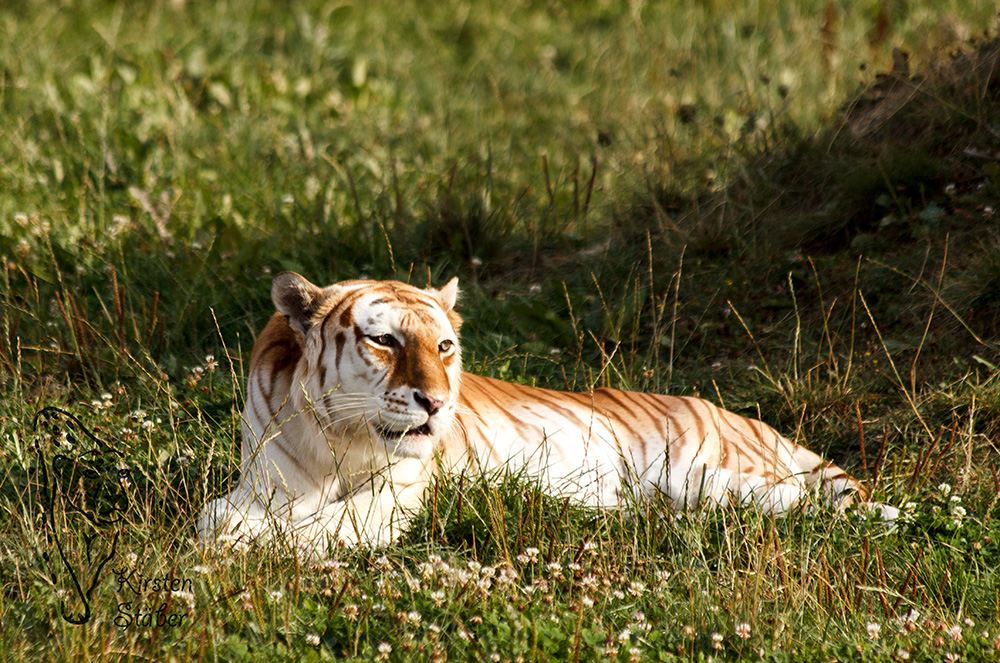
(711, 198)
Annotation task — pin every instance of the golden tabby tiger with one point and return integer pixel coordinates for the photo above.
(357, 399)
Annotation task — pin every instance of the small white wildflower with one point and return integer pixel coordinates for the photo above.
(743, 630)
(956, 499)
(625, 636)
(958, 511)
(384, 649)
(414, 617)
(590, 547)
(636, 588)
(618, 594)
(201, 570)
(351, 612)
(716, 640)
(587, 602)
(434, 628)
(186, 597)
(312, 640)
(477, 262)
(147, 425)
(588, 583)
(968, 622)
(903, 654)
(950, 657)
(554, 567)
(275, 595)
(495, 657)
(944, 488)
(987, 212)
(874, 629)
(474, 566)
(532, 554)
(955, 633)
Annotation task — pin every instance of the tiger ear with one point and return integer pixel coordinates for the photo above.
(448, 294)
(296, 298)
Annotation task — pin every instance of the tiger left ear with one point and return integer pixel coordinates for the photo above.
(296, 299)
(448, 293)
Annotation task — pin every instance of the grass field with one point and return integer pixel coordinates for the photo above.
(786, 208)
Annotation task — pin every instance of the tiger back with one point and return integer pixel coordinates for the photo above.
(356, 400)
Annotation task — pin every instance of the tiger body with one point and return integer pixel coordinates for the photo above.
(356, 401)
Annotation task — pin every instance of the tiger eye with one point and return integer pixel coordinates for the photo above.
(385, 340)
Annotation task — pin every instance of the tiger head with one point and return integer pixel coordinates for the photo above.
(380, 359)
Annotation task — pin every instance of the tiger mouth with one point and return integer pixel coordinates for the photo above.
(391, 435)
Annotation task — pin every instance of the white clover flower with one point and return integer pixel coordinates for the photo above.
(384, 649)
(716, 640)
(955, 633)
(588, 583)
(275, 595)
(636, 588)
(873, 629)
(587, 602)
(185, 596)
(944, 488)
(554, 567)
(312, 640)
(743, 630)
(625, 636)
(438, 598)
(618, 594)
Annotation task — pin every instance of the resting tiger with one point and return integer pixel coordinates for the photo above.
(357, 400)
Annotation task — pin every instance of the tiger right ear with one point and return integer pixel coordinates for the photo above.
(296, 298)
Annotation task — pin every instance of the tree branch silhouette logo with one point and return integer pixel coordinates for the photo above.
(83, 483)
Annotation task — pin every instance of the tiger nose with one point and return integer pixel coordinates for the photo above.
(429, 403)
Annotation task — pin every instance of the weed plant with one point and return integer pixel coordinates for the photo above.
(786, 208)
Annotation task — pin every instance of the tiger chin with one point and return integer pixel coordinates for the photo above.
(356, 400)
